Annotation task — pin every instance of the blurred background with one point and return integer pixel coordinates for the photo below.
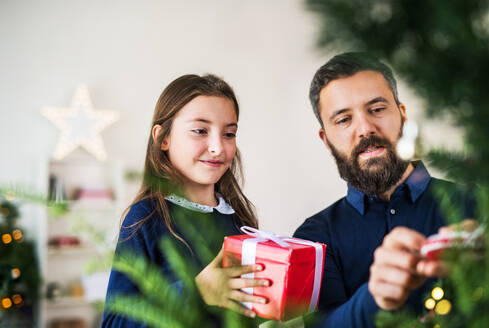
(126, 52)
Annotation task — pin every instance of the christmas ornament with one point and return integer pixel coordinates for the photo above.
(437, 303)
(80, 125)
(6, 302)
(407, 144)
(434, 246)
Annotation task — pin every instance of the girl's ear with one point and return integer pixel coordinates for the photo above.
(155, 133)
(165, 144)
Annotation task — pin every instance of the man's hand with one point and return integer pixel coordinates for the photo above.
(441, 268)
(221, 286)
(393, 273)
(468, 225)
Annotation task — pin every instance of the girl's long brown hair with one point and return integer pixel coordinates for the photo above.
(160, 178)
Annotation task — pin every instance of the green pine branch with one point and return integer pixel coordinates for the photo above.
(140, 309)
(160, 302)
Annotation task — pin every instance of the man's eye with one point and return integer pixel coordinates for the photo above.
(199, 131)
(377, 110)
(342, 120)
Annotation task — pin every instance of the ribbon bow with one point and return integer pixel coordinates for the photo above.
(267, 235)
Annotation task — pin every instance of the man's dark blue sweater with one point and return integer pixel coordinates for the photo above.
(352, 228)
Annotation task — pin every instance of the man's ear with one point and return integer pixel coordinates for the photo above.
(402, 110)
(155, 133)
(322, 136)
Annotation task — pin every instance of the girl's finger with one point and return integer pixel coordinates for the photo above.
(237, 271)
(238, 283)
(239, 308)
(240, 296)
(216, 262)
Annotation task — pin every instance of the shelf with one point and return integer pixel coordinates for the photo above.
(71, 250)
(93, 192)
(67, 301)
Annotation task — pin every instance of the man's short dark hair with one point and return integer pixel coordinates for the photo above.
(345, 65)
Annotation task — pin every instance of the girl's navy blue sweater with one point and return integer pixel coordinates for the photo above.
(144, 239)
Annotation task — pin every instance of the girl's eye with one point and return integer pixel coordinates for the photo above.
(199, 131)
(230, 135)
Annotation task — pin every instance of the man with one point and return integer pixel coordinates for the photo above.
(375, 233)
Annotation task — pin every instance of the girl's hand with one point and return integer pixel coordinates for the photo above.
(221, 286)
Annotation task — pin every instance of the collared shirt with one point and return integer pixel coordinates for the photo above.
(352, 228)
(222, 207)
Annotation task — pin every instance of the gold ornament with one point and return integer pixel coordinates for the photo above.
(430, 304)
(6, 303)
(17, 299)
(17, 234)
(437, 293)
(443, 307)
(6, 238)
(15, 273)
(80, 125)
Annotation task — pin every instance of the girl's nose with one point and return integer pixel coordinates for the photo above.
(215, 145)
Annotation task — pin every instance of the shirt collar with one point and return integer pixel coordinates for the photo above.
(416, 182)
(222, 207)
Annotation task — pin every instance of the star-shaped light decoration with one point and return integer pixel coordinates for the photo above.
(80, 125)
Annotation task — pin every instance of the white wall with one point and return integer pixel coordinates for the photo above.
(128, 51)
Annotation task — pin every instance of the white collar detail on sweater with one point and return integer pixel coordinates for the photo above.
(222, 207)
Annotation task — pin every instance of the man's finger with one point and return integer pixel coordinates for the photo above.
(386, 290)
(433, 268)
(404, 238)
(467, 225)
(396, 276)
(396, 257)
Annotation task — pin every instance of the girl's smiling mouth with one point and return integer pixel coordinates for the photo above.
(212, 162)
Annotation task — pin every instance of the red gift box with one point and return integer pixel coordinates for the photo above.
(294, 267)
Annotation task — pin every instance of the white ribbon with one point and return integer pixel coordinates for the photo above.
(248, 257)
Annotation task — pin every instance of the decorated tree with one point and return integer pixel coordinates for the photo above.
(19, 273)
(440, 48)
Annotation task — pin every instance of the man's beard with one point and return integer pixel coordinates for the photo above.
(378, 174)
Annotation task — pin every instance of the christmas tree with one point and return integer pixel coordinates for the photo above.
(19, 273)
(440, 48)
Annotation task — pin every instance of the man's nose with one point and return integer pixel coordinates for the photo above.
(365, 127)
(215, 145)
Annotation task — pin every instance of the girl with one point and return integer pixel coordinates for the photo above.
(191, 170)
